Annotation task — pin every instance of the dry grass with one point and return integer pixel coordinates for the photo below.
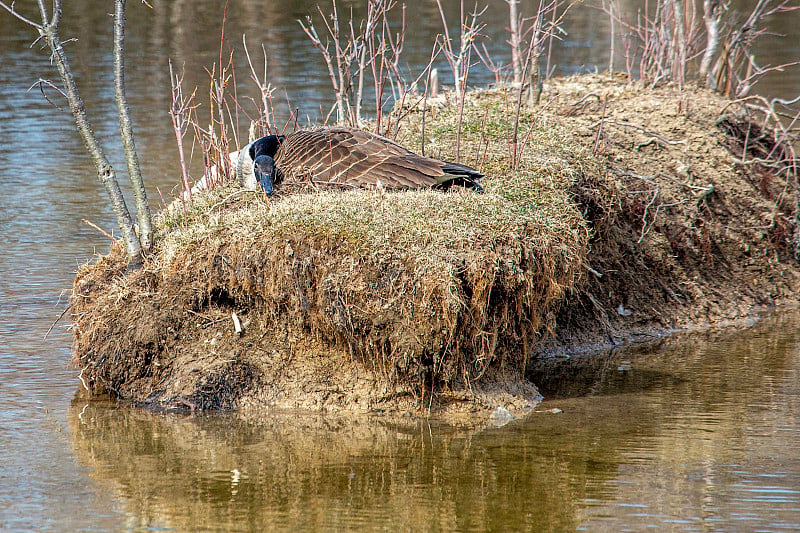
(426, 290)
(689, 227)
(635, 202)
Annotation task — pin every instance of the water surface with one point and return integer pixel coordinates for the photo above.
(693, 434)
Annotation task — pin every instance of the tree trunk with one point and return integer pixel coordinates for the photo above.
(534, 81)
(679, 57)
(126, 131)
(611, 44)
(711, 19)
(516, 57)
(105, 172)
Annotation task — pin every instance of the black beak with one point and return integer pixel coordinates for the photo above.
(264, 170)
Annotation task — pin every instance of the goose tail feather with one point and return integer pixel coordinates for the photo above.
(462, 175)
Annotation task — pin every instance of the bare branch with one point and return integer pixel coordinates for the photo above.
(43, 12)
(311, 31)
(26, 20)
(179, 111)
(101, 230)
(56, 19)
(264, 87)
(47, 83)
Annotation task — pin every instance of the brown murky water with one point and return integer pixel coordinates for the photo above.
(697, 435)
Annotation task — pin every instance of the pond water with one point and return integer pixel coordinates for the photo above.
(696, 434)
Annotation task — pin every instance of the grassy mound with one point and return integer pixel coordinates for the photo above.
(624, 211)
(418, 295)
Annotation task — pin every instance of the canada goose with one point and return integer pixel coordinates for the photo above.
(348, 157)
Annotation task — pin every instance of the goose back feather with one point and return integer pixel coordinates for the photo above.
(356, 158)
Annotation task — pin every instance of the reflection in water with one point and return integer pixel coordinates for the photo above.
(308, 473)
(695, 433)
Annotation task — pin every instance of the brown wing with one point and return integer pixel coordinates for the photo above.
(353, 157)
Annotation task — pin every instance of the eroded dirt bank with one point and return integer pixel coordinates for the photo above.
(699, 232)
(629, 211)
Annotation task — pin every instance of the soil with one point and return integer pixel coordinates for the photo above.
(696, 237)
(684, 233)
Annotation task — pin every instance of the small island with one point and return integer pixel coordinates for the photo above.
(628, 212)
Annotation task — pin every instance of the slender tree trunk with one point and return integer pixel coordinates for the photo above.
(534, 81)
(679, 58)
(711, 19)
(126, 131)
(48, 30)
(105, 172)
(516, 58)
(612, 44)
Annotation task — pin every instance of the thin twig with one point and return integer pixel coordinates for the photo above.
(41, 84)
(57, 320)
(24, 19)
(101, 230)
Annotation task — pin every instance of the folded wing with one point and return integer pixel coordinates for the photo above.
(357, 158)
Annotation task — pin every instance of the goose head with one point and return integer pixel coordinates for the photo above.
(262, 152)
